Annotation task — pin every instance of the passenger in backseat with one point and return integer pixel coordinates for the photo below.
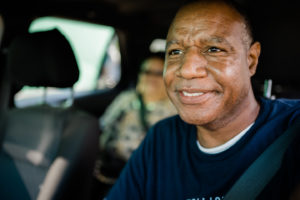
(126, 121)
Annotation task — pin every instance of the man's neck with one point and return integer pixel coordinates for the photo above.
(210, 137)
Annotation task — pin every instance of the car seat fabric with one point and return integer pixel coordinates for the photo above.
(33, 144)
(50, 151)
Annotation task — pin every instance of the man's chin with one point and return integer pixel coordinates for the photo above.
(195, 120)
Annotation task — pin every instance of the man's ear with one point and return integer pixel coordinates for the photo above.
(253, 55)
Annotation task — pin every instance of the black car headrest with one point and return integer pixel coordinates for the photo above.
(42, 59)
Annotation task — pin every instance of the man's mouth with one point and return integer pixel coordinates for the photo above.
(192, 94)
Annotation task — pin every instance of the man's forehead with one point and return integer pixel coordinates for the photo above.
(198, 12)
(206, 29)
(198, 25)
(212, 20)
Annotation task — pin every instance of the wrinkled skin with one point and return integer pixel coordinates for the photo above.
(209, 63)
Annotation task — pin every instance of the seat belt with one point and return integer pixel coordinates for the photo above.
(143, 113)
(261, 171)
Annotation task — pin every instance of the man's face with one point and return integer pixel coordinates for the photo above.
(208, 64)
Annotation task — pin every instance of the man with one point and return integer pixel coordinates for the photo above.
(222, 128)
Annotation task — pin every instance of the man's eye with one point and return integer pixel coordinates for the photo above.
(214, 50)
(175, 52)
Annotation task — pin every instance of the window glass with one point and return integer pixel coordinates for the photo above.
(92, 44)
(110, 73)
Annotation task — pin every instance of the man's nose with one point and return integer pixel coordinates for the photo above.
(194, 65)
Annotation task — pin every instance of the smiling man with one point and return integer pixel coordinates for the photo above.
(209, 64)
(221, 128)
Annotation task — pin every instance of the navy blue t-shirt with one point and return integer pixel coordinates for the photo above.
(169, 165)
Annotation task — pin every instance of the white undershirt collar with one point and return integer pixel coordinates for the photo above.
(225, 146)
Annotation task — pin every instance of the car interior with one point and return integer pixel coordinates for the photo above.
(63, 62)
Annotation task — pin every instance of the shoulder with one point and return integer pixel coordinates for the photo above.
(282, 103)
(283, 107)
(127, 94)
(290, 103)
(123, 99)
(121, 103)
(278, 114)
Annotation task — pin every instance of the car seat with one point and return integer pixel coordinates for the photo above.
(47, 152)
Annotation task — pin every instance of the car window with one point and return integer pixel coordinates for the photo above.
(94, 46)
